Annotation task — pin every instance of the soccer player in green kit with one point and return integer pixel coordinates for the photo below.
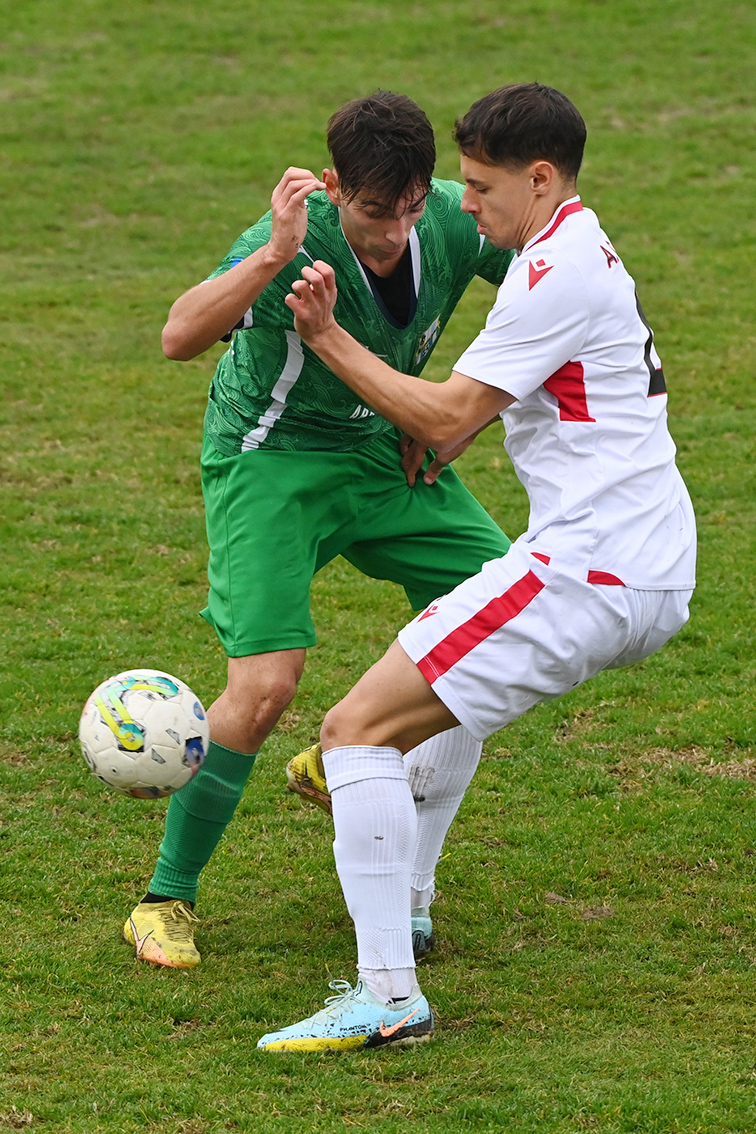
(296, 470)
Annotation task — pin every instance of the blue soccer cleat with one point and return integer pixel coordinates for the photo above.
(354, 1019)
(423, 937)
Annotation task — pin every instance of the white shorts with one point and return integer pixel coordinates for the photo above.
(522, 631)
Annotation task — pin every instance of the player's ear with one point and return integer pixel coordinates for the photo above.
(331, 182)
(542, 174)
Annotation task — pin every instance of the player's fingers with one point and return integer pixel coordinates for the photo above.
(296, 191)
(326, 271)
(298, 171)
(410, 473)
(326, 283)
(301, 288)
(414, 456)
(297, 298)
(291, 200)
(412, 461)
(433, 471)
(322, 284)
(295, 174)
(294, 186)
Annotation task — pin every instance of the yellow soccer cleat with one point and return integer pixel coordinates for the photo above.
(305, 775)
(163, 934)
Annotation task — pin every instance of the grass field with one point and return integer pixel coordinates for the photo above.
(597, 961)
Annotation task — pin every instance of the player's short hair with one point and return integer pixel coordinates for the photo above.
(521, 123)
(383, 144)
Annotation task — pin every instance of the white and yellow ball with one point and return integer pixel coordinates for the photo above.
(144, 733)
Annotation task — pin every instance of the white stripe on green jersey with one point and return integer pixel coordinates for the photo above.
(291, 371)
(270, 391)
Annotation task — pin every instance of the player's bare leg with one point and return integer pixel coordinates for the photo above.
(392, 705)
(259, 689)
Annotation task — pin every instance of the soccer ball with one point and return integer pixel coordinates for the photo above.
(144, 733)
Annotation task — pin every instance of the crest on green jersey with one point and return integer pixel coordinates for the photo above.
(428, 340)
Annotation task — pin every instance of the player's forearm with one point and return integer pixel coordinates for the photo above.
(416, 406)
(202, 315)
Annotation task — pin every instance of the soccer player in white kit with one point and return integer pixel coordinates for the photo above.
(601, 578)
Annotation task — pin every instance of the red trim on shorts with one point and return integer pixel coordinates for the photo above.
(575, 207)
(605, 578)
(602, 577)
(567, 384)
(470, 634)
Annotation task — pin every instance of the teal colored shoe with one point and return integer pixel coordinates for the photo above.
(423, 938)
(355, 1019)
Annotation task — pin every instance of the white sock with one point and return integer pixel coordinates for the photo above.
(389, 984)
(438, 771)
(375, 824)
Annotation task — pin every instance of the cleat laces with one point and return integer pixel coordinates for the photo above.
(178, 922)
(344, 993)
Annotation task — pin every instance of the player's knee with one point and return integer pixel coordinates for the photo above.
(256, 700)
(270, 697)
(333, 731)
(351, 722)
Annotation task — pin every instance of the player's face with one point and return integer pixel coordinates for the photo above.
(502, 201)
(379, 235)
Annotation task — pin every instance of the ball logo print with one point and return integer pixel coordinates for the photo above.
(144, 733)
(115, 714)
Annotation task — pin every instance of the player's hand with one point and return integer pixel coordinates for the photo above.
(413, 455)
(313, 299)
(290, 211)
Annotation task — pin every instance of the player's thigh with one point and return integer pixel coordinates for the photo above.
(518, 633)
(391, 705)
(427, 538)
(272, 520)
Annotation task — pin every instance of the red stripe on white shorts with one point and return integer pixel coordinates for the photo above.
(466, 637)
(603, 577)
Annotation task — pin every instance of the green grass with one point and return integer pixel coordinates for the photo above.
(596, 969)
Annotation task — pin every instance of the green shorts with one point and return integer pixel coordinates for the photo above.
(275, 518)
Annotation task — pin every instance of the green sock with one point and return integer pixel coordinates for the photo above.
(197, 817)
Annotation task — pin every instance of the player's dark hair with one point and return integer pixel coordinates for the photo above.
(521, 123)
(383, 144)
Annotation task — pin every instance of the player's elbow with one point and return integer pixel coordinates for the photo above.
(175, 344)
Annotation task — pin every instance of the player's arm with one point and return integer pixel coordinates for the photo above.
(208, 311)
(438, 415)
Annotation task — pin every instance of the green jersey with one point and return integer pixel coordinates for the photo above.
(270, 391)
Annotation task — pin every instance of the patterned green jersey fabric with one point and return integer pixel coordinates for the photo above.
(271, 392)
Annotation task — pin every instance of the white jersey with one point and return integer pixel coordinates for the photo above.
(588, 433)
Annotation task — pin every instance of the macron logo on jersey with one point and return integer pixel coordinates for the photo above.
(536, 272)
